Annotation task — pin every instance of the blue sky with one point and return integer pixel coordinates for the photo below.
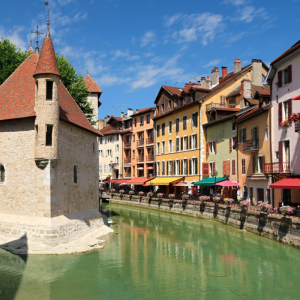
(131, 48)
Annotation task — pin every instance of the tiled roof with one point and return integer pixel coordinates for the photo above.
(263, 89)
(226, 109)
(252, 101)
(110, 130)
(91, 84)
(18, 90)
(141, 111)
(47, 63)
(226, 79)
(17, 97)
(294, 47)
(173, 90)
(264, 92)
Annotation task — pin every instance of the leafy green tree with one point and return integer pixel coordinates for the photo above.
(75, 85)
(10, 58)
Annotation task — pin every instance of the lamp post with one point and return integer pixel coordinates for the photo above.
(215, 173)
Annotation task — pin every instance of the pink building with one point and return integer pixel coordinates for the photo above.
(284, 168)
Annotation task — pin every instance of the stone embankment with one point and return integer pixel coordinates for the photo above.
(276, 227)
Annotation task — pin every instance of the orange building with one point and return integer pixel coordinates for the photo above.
(138, 144)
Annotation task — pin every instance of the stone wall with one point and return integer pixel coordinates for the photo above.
(275, 227)
(75, 148)
(26, 190)
(93, 98)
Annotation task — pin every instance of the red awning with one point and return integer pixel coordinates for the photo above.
(138, 180)
(119, 181)
(287, 183)
(150, 168)
(296, 97)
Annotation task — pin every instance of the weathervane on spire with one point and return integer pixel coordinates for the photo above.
(48, 23)
(37, 38)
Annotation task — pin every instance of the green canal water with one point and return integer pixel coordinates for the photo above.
(156, 255)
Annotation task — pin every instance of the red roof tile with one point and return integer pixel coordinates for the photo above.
(17, 97)
(173, 90)
(264, 92)
(110, 130)
(47, 63)
(294, 47)
(143, 110)
(91, 84)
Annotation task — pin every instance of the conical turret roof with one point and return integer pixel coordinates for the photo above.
(91, 84)
(47, 63)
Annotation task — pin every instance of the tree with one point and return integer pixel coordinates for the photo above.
(75, 84)
(10, 58)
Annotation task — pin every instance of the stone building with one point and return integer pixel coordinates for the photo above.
(49, 155)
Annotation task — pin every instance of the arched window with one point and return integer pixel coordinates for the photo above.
(75, 174)
(2, 173)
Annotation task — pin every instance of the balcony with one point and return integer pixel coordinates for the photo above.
(140, 159)
(297, 126)
(140, 143)
(210, 106)
(114, 166)
(127, 145)
(127, 160)
(149, 141)
(250, 145)
(150, 158)
(277, 168)
(127, 174)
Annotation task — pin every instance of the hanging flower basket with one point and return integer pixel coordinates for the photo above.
(204, 198)
(150, 195)
(171, 196)
(294, 117)
(185, 198)
(287, 210)
(217, 199)
(228, 201)
(121, 193)
(244, 205)
(141, 193)
(265, 207)
(160, 195)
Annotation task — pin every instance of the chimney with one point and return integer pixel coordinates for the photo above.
(224, 71)
(246, 90)
(137, 110)
(122, 114)
(215, 76)
(129, 112)
(203, 82)
(198, 82)
(237, 66)
(257, 71)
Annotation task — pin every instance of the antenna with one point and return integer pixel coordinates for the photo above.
(155, 91)
(123, 106)
(195, 78)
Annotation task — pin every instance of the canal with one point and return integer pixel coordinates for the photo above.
(158, 255)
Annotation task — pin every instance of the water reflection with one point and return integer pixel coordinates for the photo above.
(156, 255)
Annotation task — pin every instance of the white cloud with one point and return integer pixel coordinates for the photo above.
(14, 36)
(212, 63)
(125, 54)
(149, 37)
(64, 2)
(247, 14)
(108, 80)
(203, 26)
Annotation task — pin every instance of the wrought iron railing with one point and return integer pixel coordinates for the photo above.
(150, 158)
(140, 142)
(127, 144)
(140, 159)
(210, 106)
(149, 141)
(127, 160)
(250, 145)
(297, 126)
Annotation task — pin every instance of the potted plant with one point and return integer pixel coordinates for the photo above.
(286, 210)
(216, 200)
(150, 195)
(121, 193)
(141, 194)
(275, 210)
(185, 198)
(285, 123)
(244, 205)
(265, 207)
(228, 201)
(171, 197)
(203, 198)
(130, 194)
(112, 192)
(160, 195)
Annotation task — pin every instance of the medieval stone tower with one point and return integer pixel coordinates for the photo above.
(47, 78)
(95, 93)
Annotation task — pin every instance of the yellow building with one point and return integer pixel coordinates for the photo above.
(176, 124)
(227, 95)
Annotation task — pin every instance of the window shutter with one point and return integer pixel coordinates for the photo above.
(190, 166)
(290, 107)
(228, 167)
(230, 144)
(191, 142)
(174, 167)
(167, 171)
(280, 79)
(253, 164)
(280, 156)
(279, 113)
(196, 142)
(224, 167)
(262, 164)
(233, 167)
(181, 143)
(207, 147)
(214, 166)
(196, 166)
(215, 142)
(290, 73)
(182, 171)
(205, 169)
